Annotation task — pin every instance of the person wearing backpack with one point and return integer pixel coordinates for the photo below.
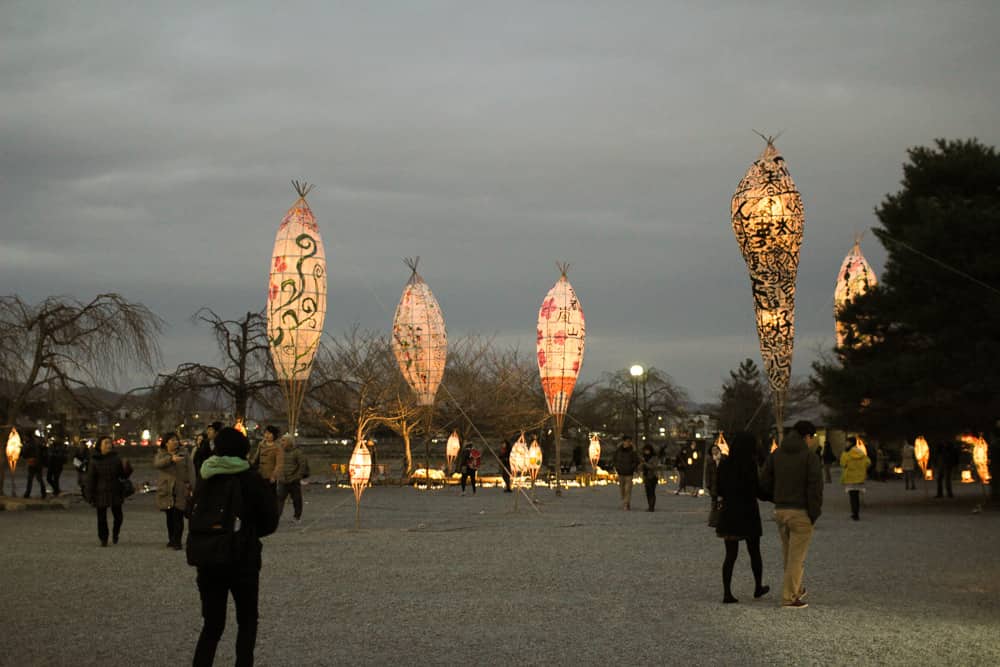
(233, 509)
(468, 463)
(294, 469)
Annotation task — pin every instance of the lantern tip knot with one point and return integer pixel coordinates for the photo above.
(563, 268)
(302, 188)
(770, 139)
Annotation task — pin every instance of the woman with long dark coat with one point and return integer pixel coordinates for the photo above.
(104, 487)
(739, 517)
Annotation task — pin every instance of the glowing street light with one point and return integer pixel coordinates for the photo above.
(637, 372)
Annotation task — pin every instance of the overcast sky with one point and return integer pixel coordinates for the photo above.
(148, 151)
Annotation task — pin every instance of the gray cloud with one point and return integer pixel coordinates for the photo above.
(148, 151)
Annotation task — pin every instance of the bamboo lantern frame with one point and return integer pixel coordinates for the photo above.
(296, 301)
(420, 345)
(768, 218)
(560, 342)
(856, 277)
(360, 469)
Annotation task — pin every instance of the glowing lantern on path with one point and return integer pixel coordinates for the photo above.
(559, 347)
(980, 457)
(519, 458)
(721, 443)
(967, 477)
(452, 448)
(854, 279)
(774, 445)
(13, 448)
(296, 300)
(534, 463)
(239, 426)
(922, 453)
(360, 471)
(594, 451)
(767, 219)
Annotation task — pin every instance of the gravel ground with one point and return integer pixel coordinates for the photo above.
(443, 579)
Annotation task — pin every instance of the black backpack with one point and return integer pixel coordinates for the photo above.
(217, 535)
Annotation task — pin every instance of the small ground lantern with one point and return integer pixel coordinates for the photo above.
(534, 459)
(361, 472)
(594, 451)
(721, 443)
(452, 448)
(13, 454)
(967, 477)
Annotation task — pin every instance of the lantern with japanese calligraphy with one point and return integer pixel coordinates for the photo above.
(721, 443)
(854, 279)
(767, 219)
(360, 471)
(594, 451)
(296, 300)
(420, 344)
(559, 347)
(922, 453)
(452, 448)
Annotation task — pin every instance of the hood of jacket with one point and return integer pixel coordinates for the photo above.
(855, 453)
(223, 465)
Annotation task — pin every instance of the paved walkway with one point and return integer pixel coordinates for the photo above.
(436, 578)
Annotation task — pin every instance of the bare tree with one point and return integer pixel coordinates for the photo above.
(71, 345)
(616, 402)
(245, 374)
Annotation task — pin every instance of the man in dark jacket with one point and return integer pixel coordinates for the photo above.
(33, 454)
(207, 447)
(57, 459)
(259, 517)
(626, 461)
(793, 478)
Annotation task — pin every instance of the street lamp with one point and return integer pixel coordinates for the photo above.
(637, 371)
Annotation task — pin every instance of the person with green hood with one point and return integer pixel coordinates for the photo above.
(854, 464)
(256, 515)
(793, 479)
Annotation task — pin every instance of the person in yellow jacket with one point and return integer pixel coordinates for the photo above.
(854, 464)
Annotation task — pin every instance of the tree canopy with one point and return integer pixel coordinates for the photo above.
(923, 351)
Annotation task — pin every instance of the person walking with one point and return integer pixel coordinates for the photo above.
(294, 469)
(793, 480)
(265, 458)
(712, 471)
(739, 515)
(468, 464)
(944, 459)
(649, 468)
(104, 490)
(174, 486)
(81, 459)
(505, 465)
(626, 461)
(227, 474)
(681, 465)
(854, 464)
(57, 459)
(829, 458)
(33, 453)
(909, 466)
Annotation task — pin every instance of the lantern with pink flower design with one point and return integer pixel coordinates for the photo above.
(296, 300)
(560, 342)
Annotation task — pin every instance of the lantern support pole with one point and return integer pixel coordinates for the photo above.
(428, 419)
(559, 427)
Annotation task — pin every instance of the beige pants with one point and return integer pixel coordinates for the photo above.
(795, 530)
(625, 486)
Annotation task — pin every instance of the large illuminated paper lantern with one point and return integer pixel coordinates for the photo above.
(767, 219)
(13, 449)
(360, 469)
(296, 300)
(594, 451)
(854, 279)
(519, 458)
(922, 453)
(452, 448)
(721, 443)
(559, 347)
(419, 339)
(980, 456)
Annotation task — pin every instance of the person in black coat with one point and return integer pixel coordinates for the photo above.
(206, 446)
(57, 459)
(505, 465)
(259, 517)
(103, 488)
(739, 517)
(33, 453)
